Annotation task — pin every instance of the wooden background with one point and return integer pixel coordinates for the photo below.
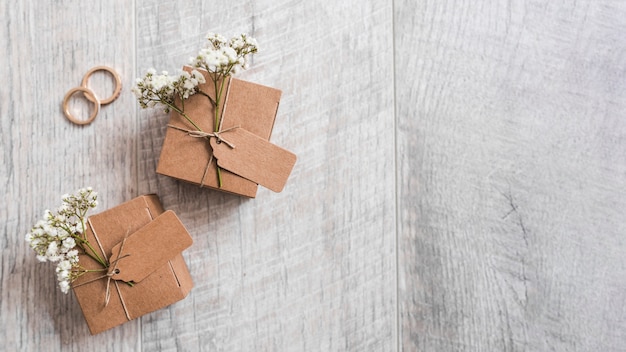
(461, 181)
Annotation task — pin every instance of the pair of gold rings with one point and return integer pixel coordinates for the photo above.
(91, 96)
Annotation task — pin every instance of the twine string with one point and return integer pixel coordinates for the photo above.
(201, 134)
(114, 271)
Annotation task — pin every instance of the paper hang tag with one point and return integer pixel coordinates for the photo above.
(254, 158)
(148, 249)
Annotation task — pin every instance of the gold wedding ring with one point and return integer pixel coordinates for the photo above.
(91, 96)
(116, 77)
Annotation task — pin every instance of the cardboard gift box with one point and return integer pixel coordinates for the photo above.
(143, 244)
(241, 148)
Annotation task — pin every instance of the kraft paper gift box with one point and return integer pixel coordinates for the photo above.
(243, 152)
(143, 244)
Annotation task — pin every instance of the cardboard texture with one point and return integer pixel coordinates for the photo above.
(151, 241)
(253, 158)
(245, 106)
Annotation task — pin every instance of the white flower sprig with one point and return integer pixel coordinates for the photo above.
(162, 89)
(60, 235)
(219, 57)
(224, 57)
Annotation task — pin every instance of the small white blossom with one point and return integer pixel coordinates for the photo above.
(53, 249)
(230, 54)
(80, 225)
(65, 286)
(72, 256)
(195, 74)
(55, 258)
(216, 40)
(69, 243)
(64, 265)
(63, 275)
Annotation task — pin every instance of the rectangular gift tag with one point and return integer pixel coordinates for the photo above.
(253, 158)
(148, 249)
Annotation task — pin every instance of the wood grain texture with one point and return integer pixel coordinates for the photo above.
(47, 49)
(487, 135)
(511, 175)
(311, 268)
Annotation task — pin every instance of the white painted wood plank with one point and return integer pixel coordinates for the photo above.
(512, 165)
(311, 268)
(47, 47)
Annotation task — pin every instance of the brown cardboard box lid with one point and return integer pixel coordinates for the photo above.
(161, 287)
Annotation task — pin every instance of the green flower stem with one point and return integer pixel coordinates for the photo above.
(218, 95)
(94, 255)
(207, 96)
(218, 98)
(82, 224)
(175, 108)
(219, 175)
(82, 271)
(84, 241)
(92, 270)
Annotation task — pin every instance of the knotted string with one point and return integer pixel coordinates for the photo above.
(114, 271)
(109, 275)
(202, 134)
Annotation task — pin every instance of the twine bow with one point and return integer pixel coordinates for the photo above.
(201, 134)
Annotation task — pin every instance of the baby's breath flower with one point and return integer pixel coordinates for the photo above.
(58, 237)
(72, 256)
(215, 40)
(64, 265)
(69, 243)
(65, 286)
(225, 57)
(153, 89)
